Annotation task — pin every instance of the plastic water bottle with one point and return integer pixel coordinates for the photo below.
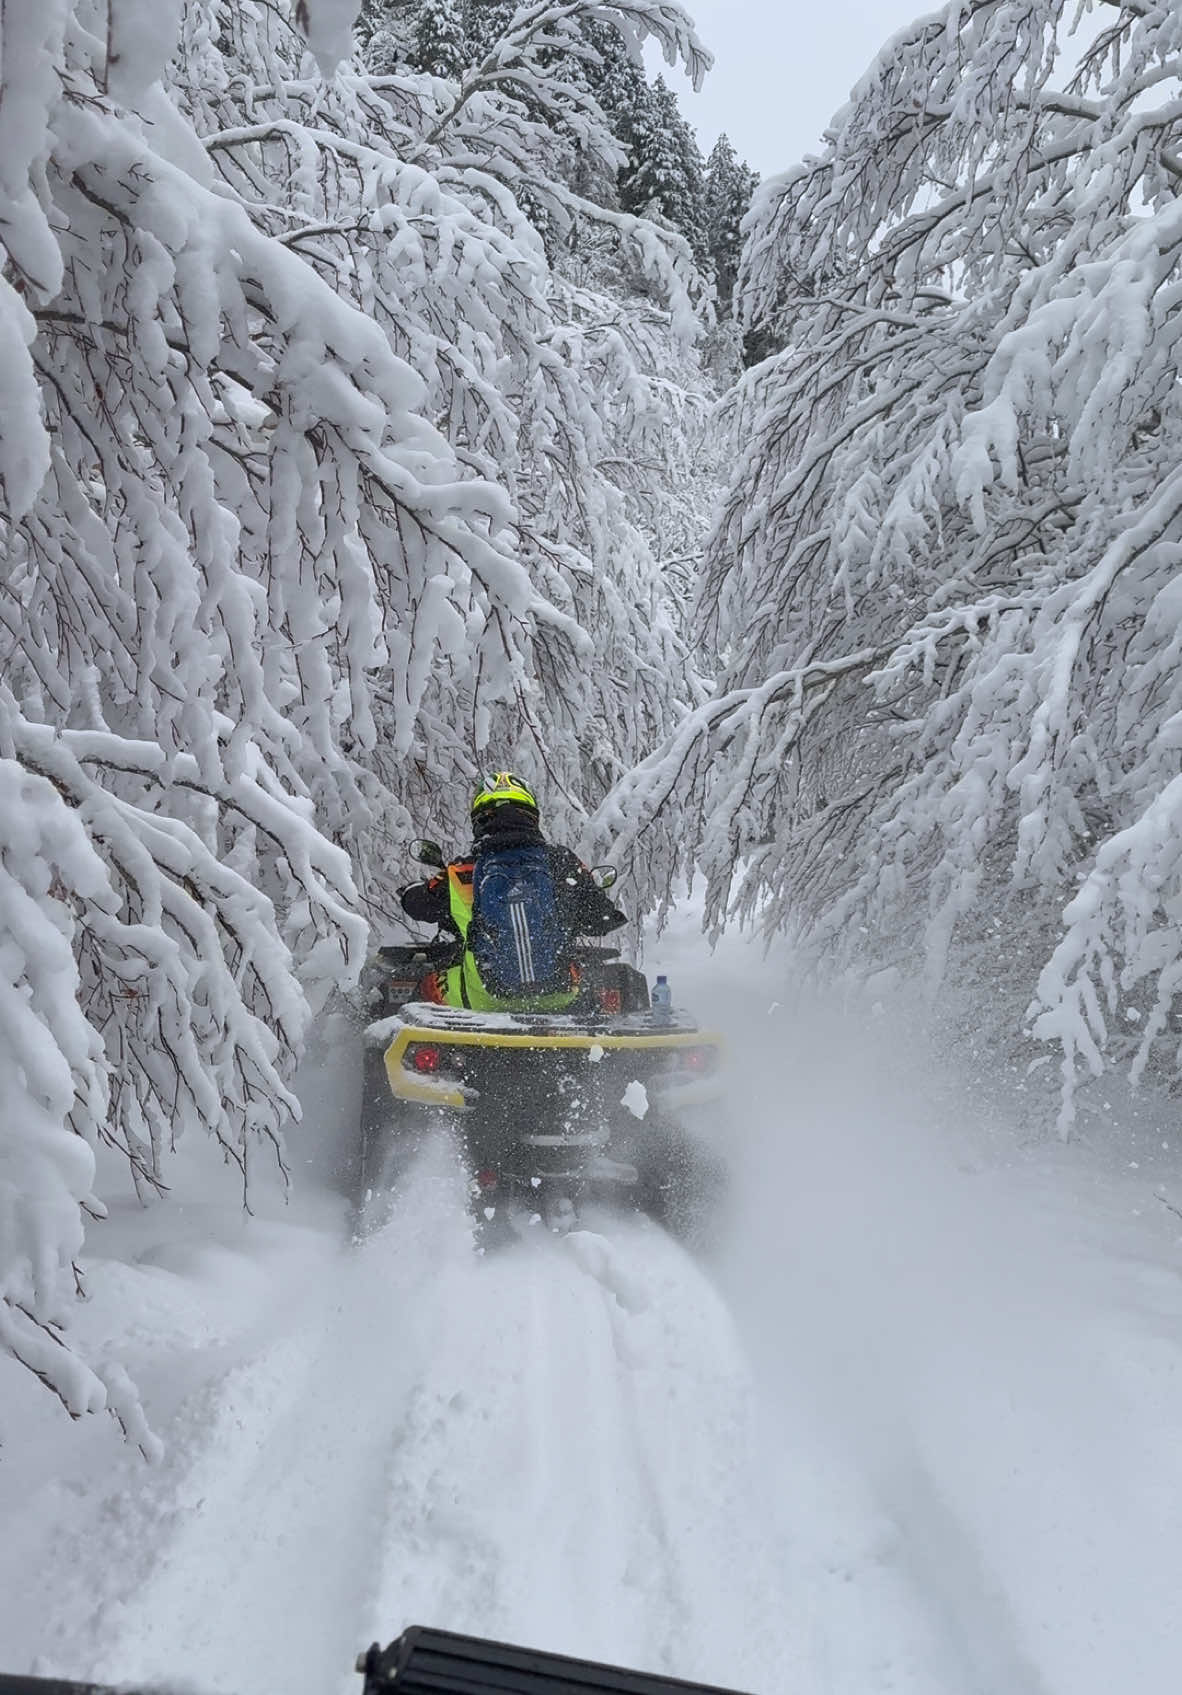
(662, 1000)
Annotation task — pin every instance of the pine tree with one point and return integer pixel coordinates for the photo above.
(728, 190)
(485, 21)
(614, 76)
(386, 34)
(439, 44)
(377, 15)
(663, 177)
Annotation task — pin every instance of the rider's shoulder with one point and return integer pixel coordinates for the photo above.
(565, 857)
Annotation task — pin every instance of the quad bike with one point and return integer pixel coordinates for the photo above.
(554, 1108)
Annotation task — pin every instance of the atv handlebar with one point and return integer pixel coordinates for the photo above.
(423, 1660)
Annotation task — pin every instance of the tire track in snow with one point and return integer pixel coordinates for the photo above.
(255, 1578)
(514, 1496)
(249, 1552)
(573, 1466)
(551, 1444)
(625, 1300)
(692, 1418)
(944, 1560)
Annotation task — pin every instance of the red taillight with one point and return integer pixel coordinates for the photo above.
(487, 1180)
(699, 1060)
(611, 1001)
(422, 1057)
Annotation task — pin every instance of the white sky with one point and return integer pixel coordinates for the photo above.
(782, 68)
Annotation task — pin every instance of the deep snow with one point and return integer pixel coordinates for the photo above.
(910, 1428)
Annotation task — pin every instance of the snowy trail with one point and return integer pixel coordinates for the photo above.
(983, 1342)
(560, 1443)
(244, 1556)
(553, 1443)
(574, 1469)
(910, 1433)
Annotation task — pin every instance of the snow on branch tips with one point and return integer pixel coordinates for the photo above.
(56, 1076)
(328, 26)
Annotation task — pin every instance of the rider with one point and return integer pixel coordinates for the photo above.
(505, 817)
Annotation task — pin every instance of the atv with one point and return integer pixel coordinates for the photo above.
(554, 1109)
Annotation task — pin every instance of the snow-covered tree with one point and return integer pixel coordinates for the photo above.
(386, 34)
(485, 21)
(728, 188)
(946, 579)
(439, 43)
(663, 176)
(514, 364)
(307, 505)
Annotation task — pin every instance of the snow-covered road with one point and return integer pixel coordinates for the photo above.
(912, 1429)
(554, 1443)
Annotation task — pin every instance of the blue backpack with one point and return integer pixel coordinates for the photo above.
(516, 937)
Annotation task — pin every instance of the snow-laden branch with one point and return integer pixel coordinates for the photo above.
(961, 457)
(537, 35)
(728, 727)
(317, 484)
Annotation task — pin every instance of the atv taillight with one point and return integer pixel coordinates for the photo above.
(611, 1001)
(424, 1057)
(487, 1180)
(700, 1061)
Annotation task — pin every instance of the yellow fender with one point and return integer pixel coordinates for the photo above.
(427, 1090)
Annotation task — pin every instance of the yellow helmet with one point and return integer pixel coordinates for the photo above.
(499, 787)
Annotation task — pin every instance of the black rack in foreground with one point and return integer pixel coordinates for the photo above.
(439, 1662)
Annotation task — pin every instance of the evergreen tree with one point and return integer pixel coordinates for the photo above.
(485, 21)
(439, 44)
(728, 191)
(386, 33)
(663, 177)
(614, 76)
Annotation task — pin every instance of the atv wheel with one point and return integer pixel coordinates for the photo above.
(390, 1137)
(683, 1187)
(560, 1215)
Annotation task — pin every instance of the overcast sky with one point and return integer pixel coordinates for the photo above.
(782, 68)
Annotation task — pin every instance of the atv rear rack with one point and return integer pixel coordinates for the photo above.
(449, 1031)
(589, 1026)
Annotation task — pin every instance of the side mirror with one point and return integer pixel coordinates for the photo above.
(604, 875)
(429, 853)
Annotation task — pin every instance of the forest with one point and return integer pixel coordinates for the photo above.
(391, 389)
